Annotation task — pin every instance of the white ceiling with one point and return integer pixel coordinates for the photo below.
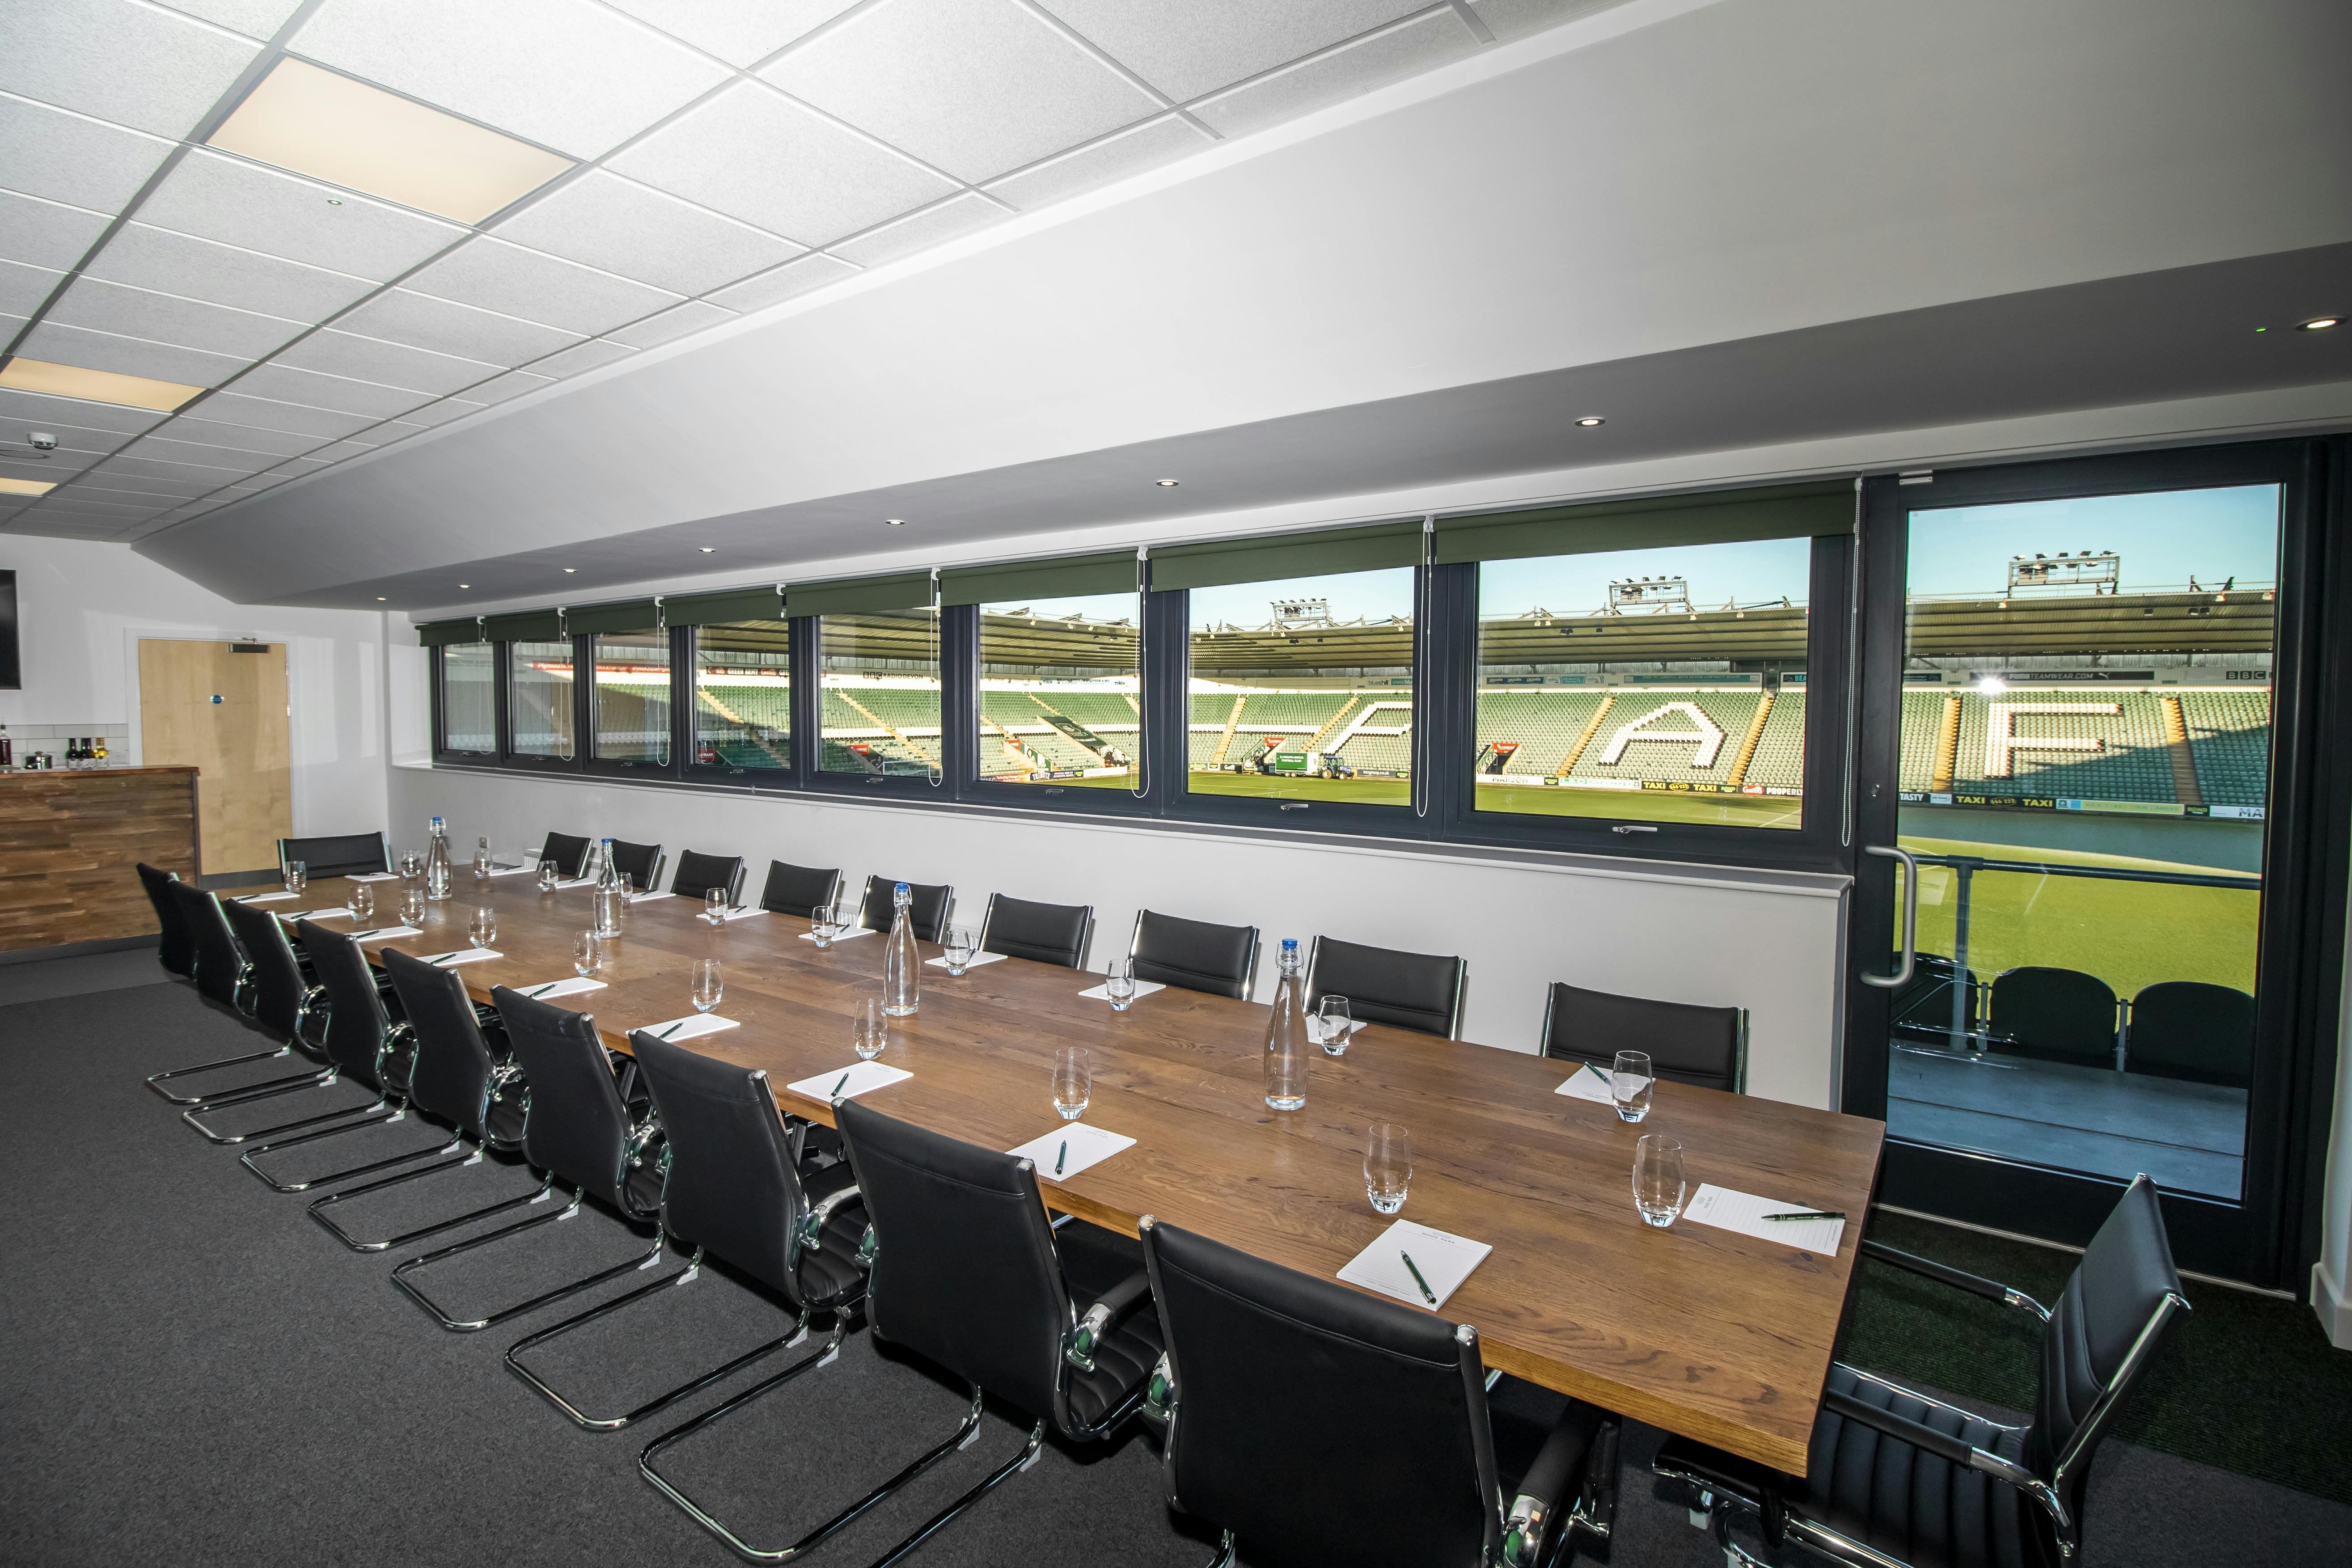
(731, 155)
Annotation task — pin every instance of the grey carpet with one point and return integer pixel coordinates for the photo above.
(196, 1371)
(41, 979)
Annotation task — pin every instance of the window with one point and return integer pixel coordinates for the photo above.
(539, 697)
(743, 695)
(877, 677)
(632, 704)
(469, 708)
(1059, 696)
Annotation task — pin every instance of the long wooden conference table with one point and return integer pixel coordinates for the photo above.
(1700, 1331)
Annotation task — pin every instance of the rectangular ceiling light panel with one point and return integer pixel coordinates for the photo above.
(94, 385)
(333, 128)
(9, 487)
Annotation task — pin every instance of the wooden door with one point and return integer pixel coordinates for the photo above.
(222, 711)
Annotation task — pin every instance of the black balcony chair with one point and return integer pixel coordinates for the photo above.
(455, 1079)
(734, 1189)
(799, 890)
(336, 854)
(927, 911)
(1966, 1492)
(570, 854)
(175, 945)
(1414, 991)
(965, 1273)
(576, 1130)
(1314, 1424)
(1923, 1009)
(2053, 1015)
(696, 874)
(194, 933)
(1049, 933)
(2192, 1030)
(1705, 1046)
(1194, 954)
(640, 863)
(284, 1006)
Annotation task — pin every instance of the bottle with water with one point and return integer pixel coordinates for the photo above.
(901, 966)
(609, 897)
(1286, 1036)
(436, 860)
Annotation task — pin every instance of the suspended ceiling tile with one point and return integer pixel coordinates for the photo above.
(264, 446)
(671, 325)
(754, 156)
(514, 383)
(63, 157)
(1202, 44)
(167, 319)
(18, 461)
(46, 234)
(66, 505)
(296, 468)
(564, 73)
(1146, 146)
(39, 411)
(128, 489)
(245, 405)
(789, 281)
(638, 232)
(1517, 19)
(172, 263)
(496, 276)
(289, 383)
(133, 65)
(253, 18)
(61, 345)
(22, 287)
(952, 219)
(445, 327)
(214, 196)
(341, 451)
(741, 32)
(196, 477)
(1418, 45)
(441, 412)
(77, 448)
(360, 358)
(973, 87)
(589, 355)
(231, 462)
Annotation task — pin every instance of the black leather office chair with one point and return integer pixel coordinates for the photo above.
(1194, 954)
(577, 1131)
(195, 934)
(222, 976)
(1707, 1046)
(176, 947)
(799, 890)
(2055, 1014)
(1315, 1423)
(283, 1006)
(928, 911)
(696, 874)
(734, 1190)
(1049, 933)
(455, 1079)
(641, 863)
(1971, 1493)
(335, 853)
(965, 1273)
(2192, 1030)
(1384, 986)
(569, 853)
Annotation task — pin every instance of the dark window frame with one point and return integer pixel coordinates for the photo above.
(808, 718)
(961, 630)
(685, 670)
(529, 762)
(437, 695)
(587, 738)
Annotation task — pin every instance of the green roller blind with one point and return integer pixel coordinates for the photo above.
(1650, 523)
(442, 634)
(863, 595)
(526, 626)
(1274, 556)
(765, 603)
(1112, 572)
(627, 616)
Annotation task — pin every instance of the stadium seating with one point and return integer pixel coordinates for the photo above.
(1923, 724)
(1379, 754)
(1302, 713)
(1730, 712)
(1543, 723)
(2230, 739)
(1779, 759)
(2135, 764)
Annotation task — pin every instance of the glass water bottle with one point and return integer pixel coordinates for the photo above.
(436, 860)
(610, 899)
(901, 966)
(1286, 1036)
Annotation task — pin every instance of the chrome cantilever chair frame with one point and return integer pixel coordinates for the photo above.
(242, 989)
(503, 1074)
(323, 1076)
(382, 1112)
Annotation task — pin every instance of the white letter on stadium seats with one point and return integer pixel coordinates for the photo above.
(1707, 737)
(2002, 742)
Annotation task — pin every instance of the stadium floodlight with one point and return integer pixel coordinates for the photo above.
(1991, 685)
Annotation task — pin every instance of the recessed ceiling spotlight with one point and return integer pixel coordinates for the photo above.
(707, 549)
(895, 521)
(379, 598)
(569, 570)
(1166, 484)
(2320, 324)
(1590, 420)
(465, 584)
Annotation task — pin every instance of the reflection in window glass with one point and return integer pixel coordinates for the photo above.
(1058, 690)
(468, 698)
(632, 696)
(1303, 688)
(1646, 685)
(879, 680)
(744, 695)
(539, 696)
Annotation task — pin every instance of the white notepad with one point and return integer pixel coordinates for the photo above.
(388, 933)
(1444, 1258)
(691, 1027)
(976, 959)
(646, 898)
(746, 913)
(460, 955)
(264, 898)
(331, 912)
(377, 877)
(1142, 988)
(514, 870)
(577, 883)
(550, 990)
(1589, 1082)
(844, 936)
(843, 1083)
(1074, 1146)
(1315, 1028)
(1744, 1212)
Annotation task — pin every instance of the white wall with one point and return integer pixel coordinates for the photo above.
(1766, 942)
(82, 606)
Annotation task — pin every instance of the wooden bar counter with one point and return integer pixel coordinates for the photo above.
(69, 840)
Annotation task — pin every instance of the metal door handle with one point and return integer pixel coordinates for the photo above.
(1902, 976)
(1632, 827)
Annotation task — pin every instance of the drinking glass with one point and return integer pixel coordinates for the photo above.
(1118, 984)
(482, 857)
(1074, 1081)
(959, 948)
(706, 984)
(360, 901)
(868, 1029)
(1658, 1185)
(714, 905)
(1334, 1023)
(298, 876)
(548, 875)
(587, 954)
(483, 928)
(412, 906)
(1388, 1166)
(1629, 1083)
(411, 865)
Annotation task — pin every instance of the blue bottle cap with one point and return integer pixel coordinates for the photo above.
(899, 888)
(1290, 944)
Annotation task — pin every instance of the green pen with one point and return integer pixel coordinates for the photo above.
(673, 1029)
(1603, 1076)
(543, 990)
(1808, 1214)
(837, 1083)
(1427, 1294)
(1063, 1158)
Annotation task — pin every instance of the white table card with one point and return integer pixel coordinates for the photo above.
(844, 936)
(265, 897)
(674, 1030)
(552, 989)
(1071, 1148)
(976, 959)
(1745, 1213)
(461, 955)
(1142, 988)
(1444, 1258)
(849, 1081)
(1589, 1082)
(387, 934)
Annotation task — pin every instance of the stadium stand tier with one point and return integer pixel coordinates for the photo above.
(2230, 737)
